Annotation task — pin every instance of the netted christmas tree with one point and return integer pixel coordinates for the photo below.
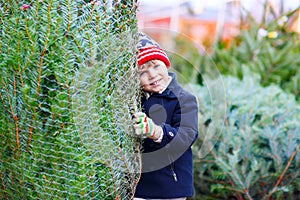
(67, 86)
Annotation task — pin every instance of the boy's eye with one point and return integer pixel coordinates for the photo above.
(142, 73)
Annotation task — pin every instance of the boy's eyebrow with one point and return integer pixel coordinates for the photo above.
(142, 67)
(149, 64)
(145, 66)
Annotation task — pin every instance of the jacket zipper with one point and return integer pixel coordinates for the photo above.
(172, 165)
(174, 175)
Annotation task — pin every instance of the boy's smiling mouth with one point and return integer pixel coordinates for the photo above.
(155, 83)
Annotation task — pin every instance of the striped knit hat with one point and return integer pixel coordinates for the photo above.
(150, 50)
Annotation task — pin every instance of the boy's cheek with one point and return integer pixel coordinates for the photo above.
(143, 82)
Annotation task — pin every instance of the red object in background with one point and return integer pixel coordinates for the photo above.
(25, 7)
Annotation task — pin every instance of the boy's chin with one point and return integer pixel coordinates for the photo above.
(157, 89)
(153, 91)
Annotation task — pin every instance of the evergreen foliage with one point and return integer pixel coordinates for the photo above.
(65, 66)
(268, 48)
(251, 150)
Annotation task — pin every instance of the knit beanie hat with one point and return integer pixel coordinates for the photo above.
(150, 50)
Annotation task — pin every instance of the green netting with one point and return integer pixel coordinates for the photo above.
(67, 85)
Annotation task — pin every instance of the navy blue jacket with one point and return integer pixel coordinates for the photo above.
(167, 167)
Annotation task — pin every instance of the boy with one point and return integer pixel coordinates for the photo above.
(168, 123)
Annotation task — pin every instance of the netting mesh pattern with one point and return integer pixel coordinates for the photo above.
(67, 86)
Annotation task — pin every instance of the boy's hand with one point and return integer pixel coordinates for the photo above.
(145, 127)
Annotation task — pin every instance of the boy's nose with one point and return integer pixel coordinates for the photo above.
(151, 73)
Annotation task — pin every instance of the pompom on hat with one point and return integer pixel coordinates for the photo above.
(150, 50)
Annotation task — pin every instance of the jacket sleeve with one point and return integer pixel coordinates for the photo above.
(183, 131)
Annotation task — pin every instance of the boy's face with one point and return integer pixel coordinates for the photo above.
(154, 76)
